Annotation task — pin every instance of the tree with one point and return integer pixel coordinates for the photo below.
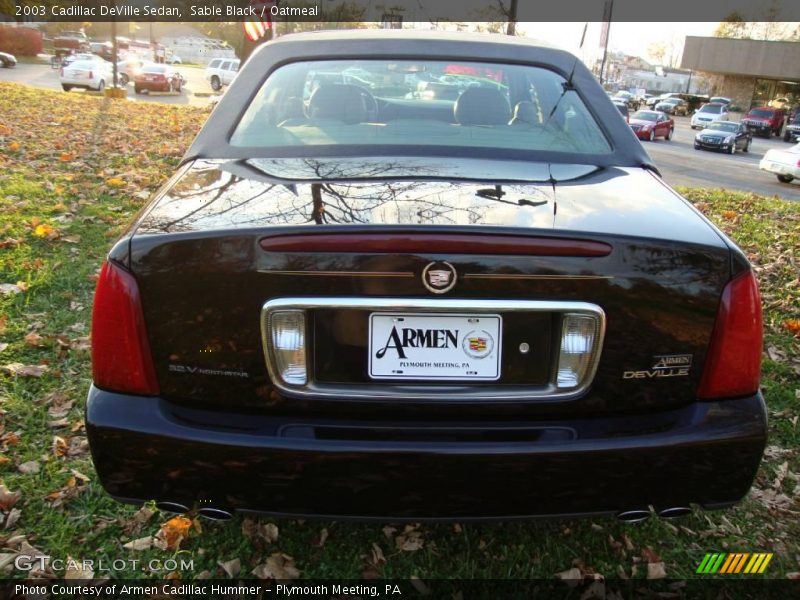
(657, 51)
(768, 26)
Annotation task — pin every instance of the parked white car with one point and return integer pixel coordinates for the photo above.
(221, 71)
(86, 74)
(709, 113)
(783, 163)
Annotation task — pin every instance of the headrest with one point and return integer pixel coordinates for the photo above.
(525, 113)
(338, 101)
(482, 106)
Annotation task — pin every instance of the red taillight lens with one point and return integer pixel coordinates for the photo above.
(733, 363)
(121, 359)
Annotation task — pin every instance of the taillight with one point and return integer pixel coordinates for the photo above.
(733, 363)
(121, 359)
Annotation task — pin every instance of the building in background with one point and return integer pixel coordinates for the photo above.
(751, 72)
(634, 73)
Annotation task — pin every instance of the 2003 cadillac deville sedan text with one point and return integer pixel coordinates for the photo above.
(405, 275)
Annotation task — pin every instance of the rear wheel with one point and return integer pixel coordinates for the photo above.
(137, 89)
(123, 79)
(216, 84)
(66, 87)
(785, 178)
(787, 137)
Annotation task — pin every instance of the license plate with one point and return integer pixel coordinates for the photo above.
(435, 347)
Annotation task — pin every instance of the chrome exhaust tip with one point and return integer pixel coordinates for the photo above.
(674, 512)
(172, 507)
(215, 514)
(633, 516)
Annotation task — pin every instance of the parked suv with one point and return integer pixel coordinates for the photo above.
(709, 113)
(764, 120)
(221, 71)
(792, 131)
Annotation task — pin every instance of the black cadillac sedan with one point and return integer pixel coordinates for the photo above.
(727, 136)
(377, 302)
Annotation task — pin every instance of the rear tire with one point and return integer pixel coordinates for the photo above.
(66, 87)
(137, 89)
(216, 84)
(123, 80)
(787, 137)
(785, 178)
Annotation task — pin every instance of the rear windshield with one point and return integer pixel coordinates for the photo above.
(712, 108)
(154, 69)
(418, 103)
(646, 115)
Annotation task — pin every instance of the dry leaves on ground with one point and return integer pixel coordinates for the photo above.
(278, 566)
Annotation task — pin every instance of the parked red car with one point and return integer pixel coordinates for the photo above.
(763, 120)
(157, 78)
(650, 124)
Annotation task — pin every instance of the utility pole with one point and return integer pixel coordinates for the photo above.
(607, 10)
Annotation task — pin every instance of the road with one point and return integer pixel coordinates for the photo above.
(678, 161)
(43, 76)
(681, 164)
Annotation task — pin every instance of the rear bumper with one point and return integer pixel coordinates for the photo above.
(148, 448)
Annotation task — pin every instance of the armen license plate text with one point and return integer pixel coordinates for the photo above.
(435, 346)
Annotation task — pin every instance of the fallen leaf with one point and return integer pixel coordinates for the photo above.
(115, 181)
(793, 325)
(9, 289)
(173, 532)
(65, 157)
(378, 557)
(20, 370)
(728, 214)
(60, 447)
(320, 541)
(35, 340)
(650, 555)
(12, 518)
(278, 566)
(572, 577)
(144, 543)
(231, 567)
(656, 570)
(80, 476)
(78, 569)
(29, 468)
(410, 540)
(45, 231)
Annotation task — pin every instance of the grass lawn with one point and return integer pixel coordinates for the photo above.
(74, 169)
